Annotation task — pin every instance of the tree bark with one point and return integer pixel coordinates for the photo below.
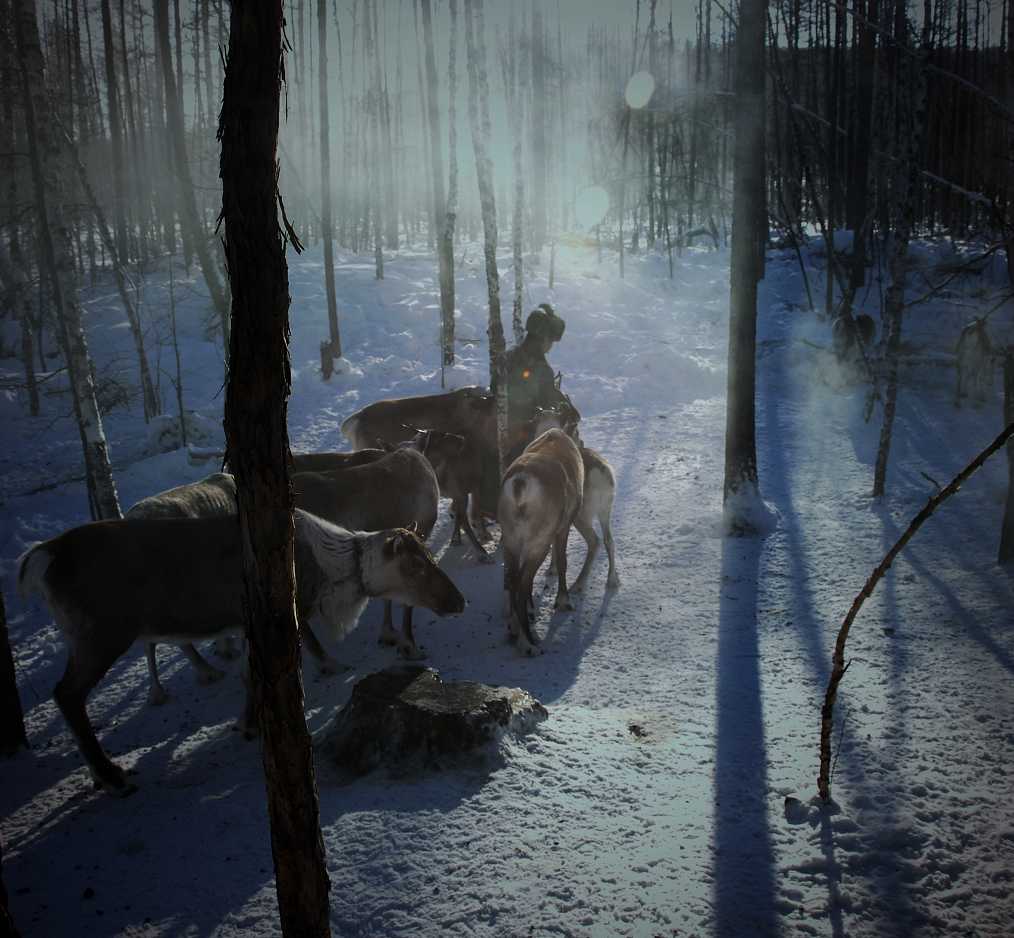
(258, 448)
(185, 187)
(539, 98)
(12, 718)
(747, 265)
(511, 80)
(906, 187)
(478, 111)
(47, 158)
(325, 184)
(116, 135)
(1006, 551)
(445, 247)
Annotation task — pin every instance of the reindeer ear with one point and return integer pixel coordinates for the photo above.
(413, 527)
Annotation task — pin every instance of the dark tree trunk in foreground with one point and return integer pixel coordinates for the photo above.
(747, 269)
(7, 929)
(12, 719)
(258, 447)
(325, 187)
(185, 187)
(49, 171)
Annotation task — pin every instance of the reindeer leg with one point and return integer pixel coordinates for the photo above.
(458, 511)
(613, 579)
(461, 518)
(325, 663)
(528, 641)
(388, 636)
(407, 648)
(156, 692)
(206, 673)
(84, 670)
(560, 556)
(587, 531)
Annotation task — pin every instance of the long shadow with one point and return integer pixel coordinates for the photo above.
(778, 462)
(743, 861)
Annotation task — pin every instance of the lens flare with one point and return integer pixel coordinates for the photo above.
(640, 88)
(591, 206)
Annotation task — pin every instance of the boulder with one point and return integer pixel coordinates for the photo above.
(406, 715)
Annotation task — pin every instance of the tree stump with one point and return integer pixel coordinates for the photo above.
(406, 715)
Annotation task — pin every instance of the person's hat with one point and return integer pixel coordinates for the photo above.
(543, 321)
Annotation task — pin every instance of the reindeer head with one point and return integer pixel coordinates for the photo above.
(403, 570)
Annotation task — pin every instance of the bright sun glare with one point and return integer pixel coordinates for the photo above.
(640, 89)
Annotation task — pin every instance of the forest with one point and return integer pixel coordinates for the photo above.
(407, 289)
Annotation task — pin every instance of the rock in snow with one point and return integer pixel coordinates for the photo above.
(407, 712)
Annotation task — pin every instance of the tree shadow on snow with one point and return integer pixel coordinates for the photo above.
(743, 858)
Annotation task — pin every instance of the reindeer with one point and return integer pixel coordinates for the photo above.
(597, 502)
(111, 583)
(974, 354)
(213, 496)
(398, 490)
(330, 462)
(540, 497)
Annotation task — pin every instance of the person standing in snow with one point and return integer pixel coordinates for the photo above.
(530, 380)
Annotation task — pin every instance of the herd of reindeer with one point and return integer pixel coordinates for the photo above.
(172, 569)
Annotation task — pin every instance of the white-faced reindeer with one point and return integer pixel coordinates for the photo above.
(398, 490)
(540, 497)
(974, 355)
(111, 583)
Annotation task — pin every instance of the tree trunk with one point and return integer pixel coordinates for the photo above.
(513, 84)
(906, 187)
(49, 170)
(12, 719)
(478, 112)
(152, 405)
(539, 98)
(325, 184)
(116, 134)
(748, 196)
(445, 247)
(1006, 551)
(258, 448)
(7, 929)
(187, 201)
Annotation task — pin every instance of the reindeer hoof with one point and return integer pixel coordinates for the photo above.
(210, 676)
(486, 558)
(388, 638)
(412, 652)
(563, 604)
(530, 650)
(157, 696)
(613, 583)
(115, 783)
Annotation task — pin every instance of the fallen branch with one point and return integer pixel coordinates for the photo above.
(838, 665)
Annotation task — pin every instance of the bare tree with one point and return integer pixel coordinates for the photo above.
(478, 112)
(747, 260)
(258, 447)
(335, 349)
(445, 237)
(49, 170)
(185, 188)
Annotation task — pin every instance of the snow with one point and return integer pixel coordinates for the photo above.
(671, 791)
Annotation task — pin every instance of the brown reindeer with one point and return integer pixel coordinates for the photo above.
(111, 583)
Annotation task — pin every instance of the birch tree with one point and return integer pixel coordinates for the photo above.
(335, 349)
(49, 170)
(478, 113)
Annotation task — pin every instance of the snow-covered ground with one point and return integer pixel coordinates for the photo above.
(684, 708)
